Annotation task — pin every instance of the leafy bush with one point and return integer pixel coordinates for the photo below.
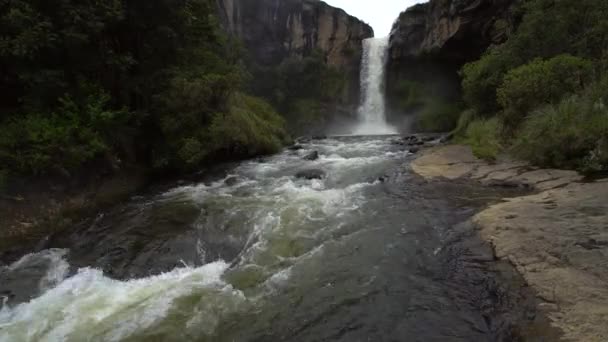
(549, 28)
(439, 117)
(464, 120)
(571, 134)
(63, 140)
(480, 80)
(251, 127)
(483, 137)
(541, 82)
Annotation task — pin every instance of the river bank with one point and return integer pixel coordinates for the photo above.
(557, 237)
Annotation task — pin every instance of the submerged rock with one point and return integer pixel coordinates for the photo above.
(311, 174)
(314, 155)
(231, 181)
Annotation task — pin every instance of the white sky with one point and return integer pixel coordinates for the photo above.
(380, 14)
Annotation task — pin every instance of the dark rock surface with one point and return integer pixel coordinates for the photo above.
(311, 174)
(314, 155)
(430, 42)
(456, 31)
(275, 30)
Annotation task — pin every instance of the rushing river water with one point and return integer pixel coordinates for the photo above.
(369, 253)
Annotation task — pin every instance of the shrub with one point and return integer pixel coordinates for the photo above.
(38, 143)
(540, 82)
(250, 127)
(439, 117)
(464, 120)
(483, 137)
(571, 134)
(481, 78)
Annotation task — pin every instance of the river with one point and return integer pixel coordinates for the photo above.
(371, 252)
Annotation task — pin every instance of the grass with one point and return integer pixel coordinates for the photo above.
(483, 135)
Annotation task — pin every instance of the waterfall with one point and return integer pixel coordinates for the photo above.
(372, 111)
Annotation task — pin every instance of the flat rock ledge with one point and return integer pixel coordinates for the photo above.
(557, 238)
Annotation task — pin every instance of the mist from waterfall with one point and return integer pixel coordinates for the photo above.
(372, 111)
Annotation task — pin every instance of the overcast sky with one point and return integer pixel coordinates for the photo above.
(380, 14)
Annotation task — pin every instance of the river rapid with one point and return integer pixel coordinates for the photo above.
(371, 252)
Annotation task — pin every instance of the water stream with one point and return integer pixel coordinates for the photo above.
(369, 253)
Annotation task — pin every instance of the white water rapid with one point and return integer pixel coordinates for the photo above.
(372, 112)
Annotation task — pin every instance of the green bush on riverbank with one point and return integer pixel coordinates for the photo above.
(123, 82)
(545, 87)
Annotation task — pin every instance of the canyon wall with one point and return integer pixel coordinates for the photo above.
(280, 31)
(430, 42)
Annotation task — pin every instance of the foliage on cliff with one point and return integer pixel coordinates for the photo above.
(123, 81)
(305, 90)
(546, 85)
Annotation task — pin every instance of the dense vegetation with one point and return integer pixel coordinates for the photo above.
(541, 95)
(306, 90)
(121, 82)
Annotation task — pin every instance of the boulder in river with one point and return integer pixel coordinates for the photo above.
(314, 155)
(311, 174)
(230, 181)
(295, 147)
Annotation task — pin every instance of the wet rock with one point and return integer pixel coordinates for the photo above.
(314, 155)
(319, 137)
(29, 277)
(311, 174)
(295, 147)
(231, 181)
(414, 150)
(556, 238)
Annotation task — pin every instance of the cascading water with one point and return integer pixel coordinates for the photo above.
(366, 253)
(372, 112)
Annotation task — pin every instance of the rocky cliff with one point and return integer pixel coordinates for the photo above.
(454, 31)
(273, 30)
(431, 41)
(281, 38)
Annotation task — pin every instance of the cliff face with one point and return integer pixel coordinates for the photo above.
(430, 42)
(273, 30)
(454, 31)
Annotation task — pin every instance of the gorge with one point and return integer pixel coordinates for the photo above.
(268, 170)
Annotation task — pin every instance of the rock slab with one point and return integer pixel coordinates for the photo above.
(556, 238)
